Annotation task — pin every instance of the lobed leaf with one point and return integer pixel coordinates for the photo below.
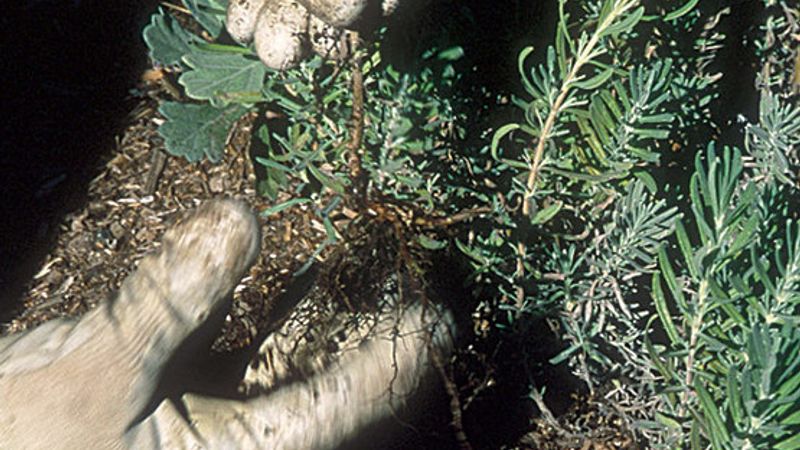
(196, 131)
(217, 76)
(166, 40)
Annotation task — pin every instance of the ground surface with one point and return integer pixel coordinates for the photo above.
(131, 203)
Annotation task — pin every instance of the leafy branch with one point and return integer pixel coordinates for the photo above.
(587, 51)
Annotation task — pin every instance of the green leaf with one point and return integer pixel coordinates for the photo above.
(208, 13)
(625, 25)
(694, 436)
(714, 424)
(792, 419)
(197, 131)
(452, 53)
(310, 261)
(599, 178)
(683, 10)
(663, 310)
(523, 55)
(167, 41)
(761, 272)
(285, 205)
(214, 75)
(655, 357)
(330, 230)
(561, 357)
(686, 250)
(734, 400)
(500, 134)
(669, 278)
(272, 164)
(596, 81)
(471, 252)
(647, 180)
(328, 181)
(544, 215)
(430, 243)
(668, 421)
(791, 443)
(744, 238)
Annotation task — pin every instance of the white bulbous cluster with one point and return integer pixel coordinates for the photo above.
(284, 30)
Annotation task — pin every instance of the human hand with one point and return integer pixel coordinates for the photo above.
(87, 383)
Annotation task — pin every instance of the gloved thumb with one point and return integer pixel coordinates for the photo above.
(80, 384)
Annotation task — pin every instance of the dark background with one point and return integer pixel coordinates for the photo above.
(67, 70)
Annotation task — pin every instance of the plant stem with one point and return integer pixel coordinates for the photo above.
(585, 54)
(354, 163)
(697, 323)
(455, 403)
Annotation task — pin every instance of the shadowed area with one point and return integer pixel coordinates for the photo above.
(69, 67)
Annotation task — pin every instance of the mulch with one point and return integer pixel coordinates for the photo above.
(131, 203)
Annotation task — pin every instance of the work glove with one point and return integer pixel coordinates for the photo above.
(284, 30)
(96, 382)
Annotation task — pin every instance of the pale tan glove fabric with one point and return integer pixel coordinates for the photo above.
(83, 384)
(284, 30)
(79, 384)
(366, 384)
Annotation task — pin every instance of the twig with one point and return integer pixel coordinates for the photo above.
(176, 7)
(586, 53)
(547, 415)
(157, 161)
(461, 216)
(455, 403)
(356, 141)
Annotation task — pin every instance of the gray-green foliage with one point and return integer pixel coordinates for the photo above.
(410, 121)
(167, 40)
(729, 371)
(702, 388)
(407, 122)
(601, 117)
(773, 142)
(729, 296)
(195, 131)
(227, 80)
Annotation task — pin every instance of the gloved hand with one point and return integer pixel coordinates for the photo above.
(283, 28)
(86, 383)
